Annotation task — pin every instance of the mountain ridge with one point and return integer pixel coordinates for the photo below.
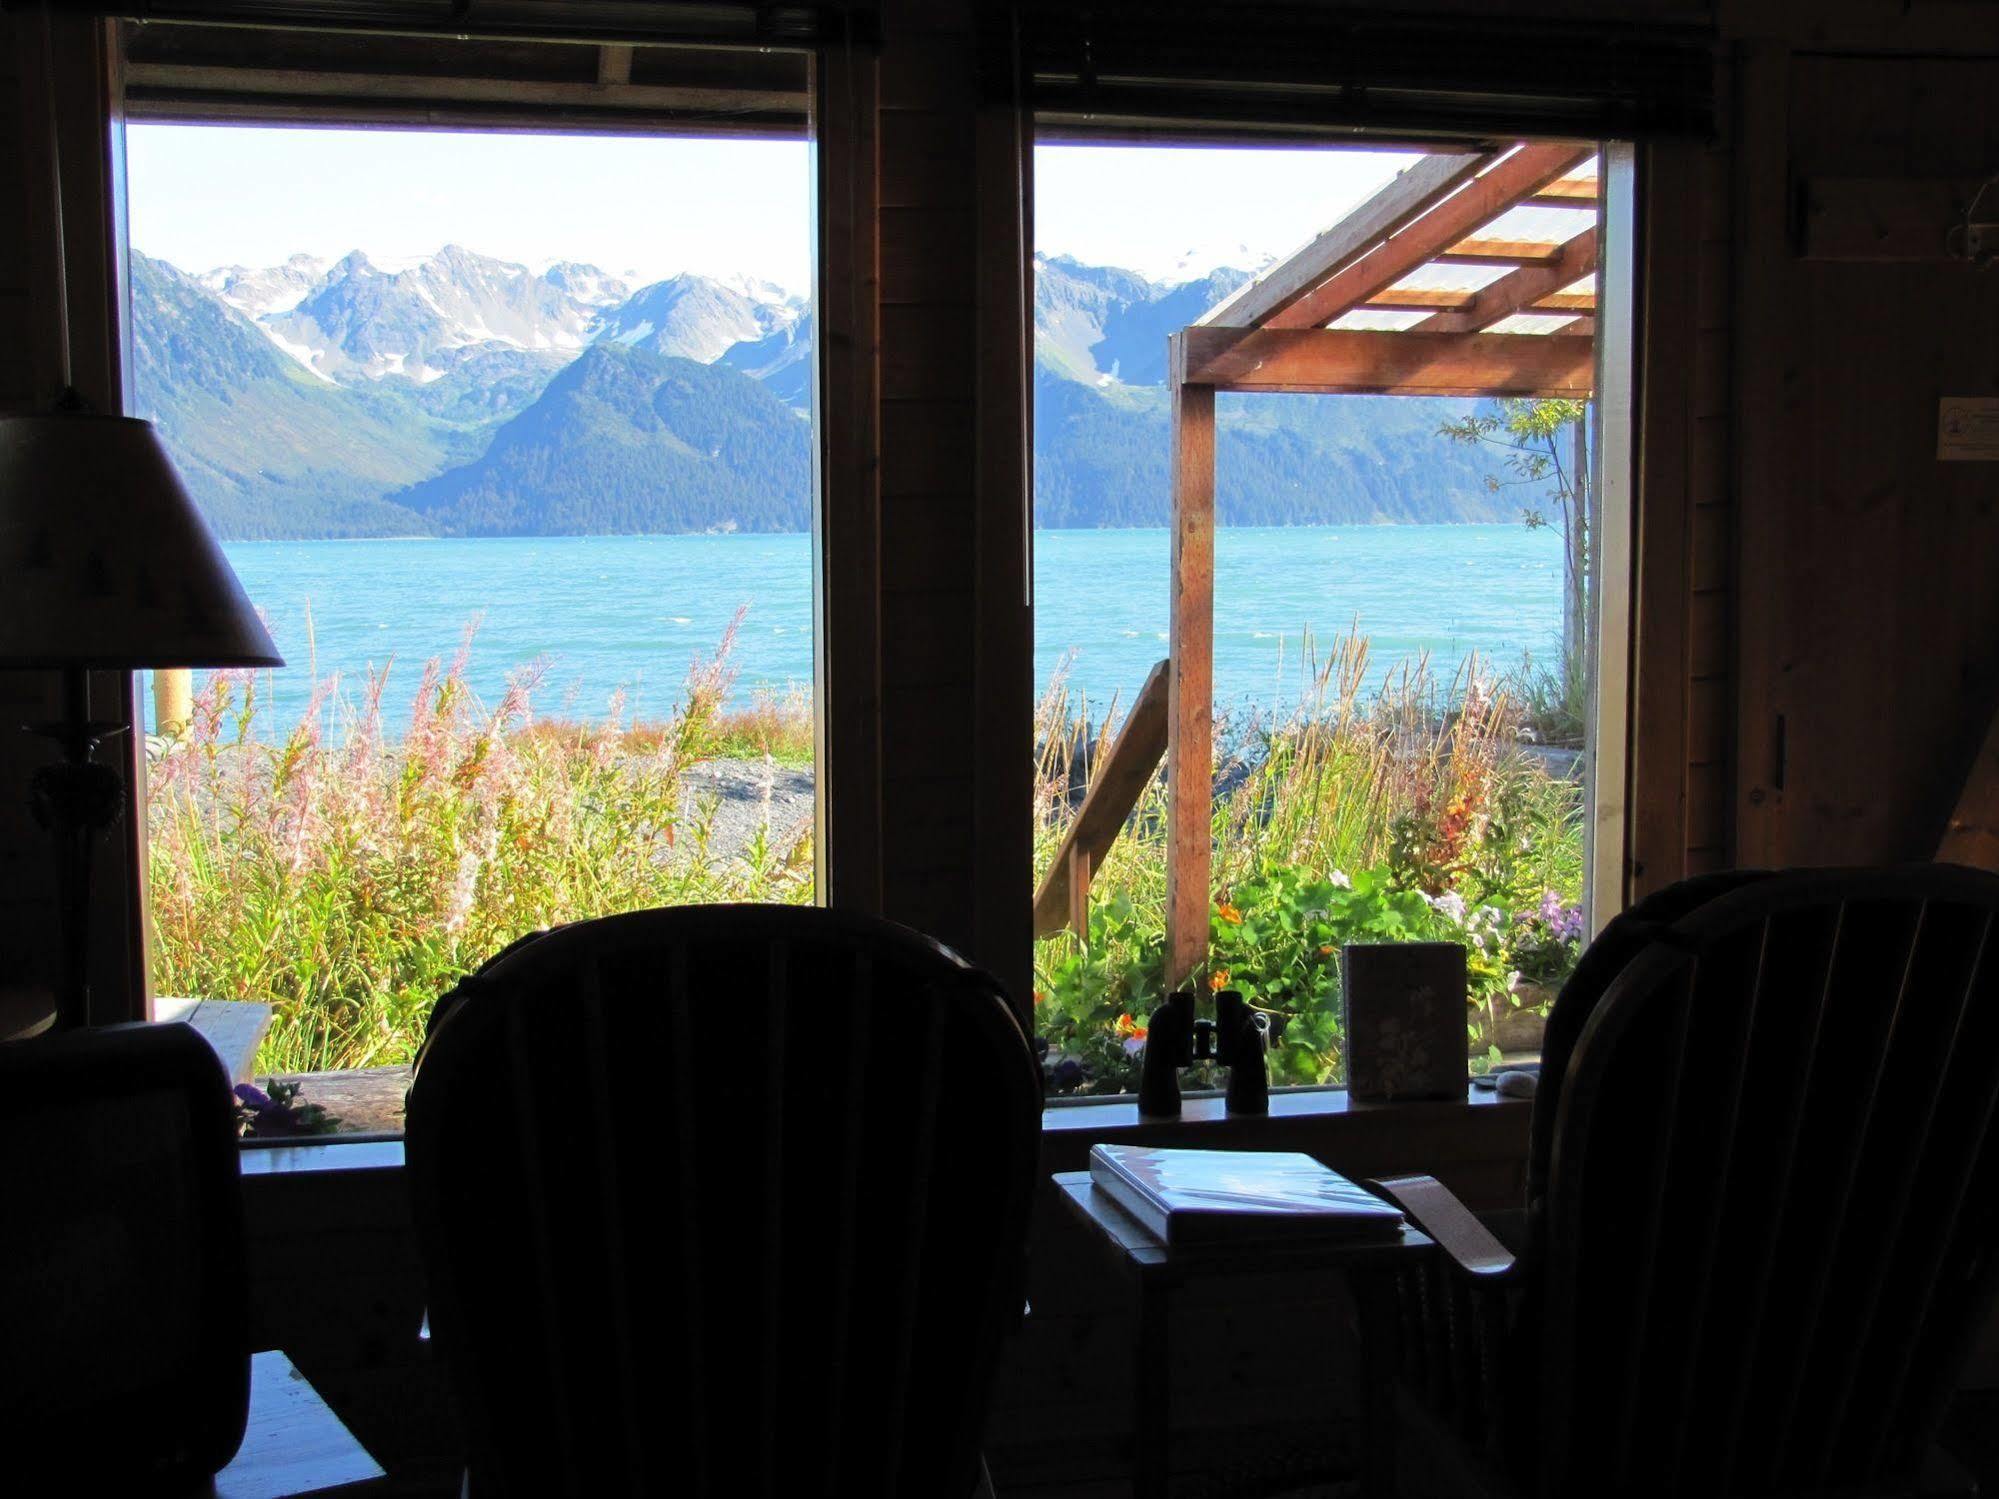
(466, 394)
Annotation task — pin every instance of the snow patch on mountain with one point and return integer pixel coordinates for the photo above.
(263, 293)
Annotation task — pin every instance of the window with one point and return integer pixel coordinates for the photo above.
(1401, 647)
(508, 432)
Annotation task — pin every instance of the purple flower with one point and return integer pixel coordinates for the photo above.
(254, 1098)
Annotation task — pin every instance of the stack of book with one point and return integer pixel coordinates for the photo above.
(1224, 1198)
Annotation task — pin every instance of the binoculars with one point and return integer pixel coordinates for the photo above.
(1237, 1038)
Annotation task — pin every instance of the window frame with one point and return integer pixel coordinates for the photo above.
(212, 95)
(1615, 449)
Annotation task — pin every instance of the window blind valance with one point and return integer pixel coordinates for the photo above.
(353, 73)
(1289, 68)
(812, 23)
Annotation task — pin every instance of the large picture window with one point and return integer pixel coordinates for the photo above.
(1318, 510)
(509, 435)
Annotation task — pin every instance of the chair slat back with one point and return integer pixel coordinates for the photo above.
(1772, 1189)
(724, 1200)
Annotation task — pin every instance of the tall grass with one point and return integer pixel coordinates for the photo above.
(348, 878)
(1406, 810)
(348, 875)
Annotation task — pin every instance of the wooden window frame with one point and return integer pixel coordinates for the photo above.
(844, 435)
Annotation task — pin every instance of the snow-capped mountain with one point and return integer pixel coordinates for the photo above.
(781, 360)
(266, 292)
(361, 321)
(694, 317)
(358, 319)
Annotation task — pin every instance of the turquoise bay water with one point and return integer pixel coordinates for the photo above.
(608, 614)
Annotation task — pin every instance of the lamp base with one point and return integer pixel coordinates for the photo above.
(76, 799)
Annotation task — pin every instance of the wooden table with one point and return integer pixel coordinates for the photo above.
(294, 1445)
(1157, 1271)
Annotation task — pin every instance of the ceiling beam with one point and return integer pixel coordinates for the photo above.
(1437, 228)
(1519, 290)
(1339, 361)
(1409, 194)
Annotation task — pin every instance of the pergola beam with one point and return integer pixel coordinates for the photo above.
(1410, 193)
(1406, 299)
(1521, 290)
(1566, 192)
(1341, 361)
(1436, 229)
(1499, 252)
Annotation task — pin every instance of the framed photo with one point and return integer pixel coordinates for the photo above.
(1402, 1008)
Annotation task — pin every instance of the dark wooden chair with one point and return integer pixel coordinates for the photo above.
(124, 1296)
(725, 1200)
(1763, 1205)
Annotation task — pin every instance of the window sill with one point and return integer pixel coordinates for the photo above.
(1118, 1114)
(1324, 1119)
(1360, 1138)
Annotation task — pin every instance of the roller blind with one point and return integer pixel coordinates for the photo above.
(1291, 68)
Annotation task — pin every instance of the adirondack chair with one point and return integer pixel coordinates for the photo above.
(724, 1199)
(1763, 1204)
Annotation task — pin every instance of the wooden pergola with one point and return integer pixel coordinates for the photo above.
(1470, 274)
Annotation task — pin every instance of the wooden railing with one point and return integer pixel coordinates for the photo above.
(1064, 897)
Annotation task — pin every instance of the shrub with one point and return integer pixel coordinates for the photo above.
(348, 879)
(1404, 813)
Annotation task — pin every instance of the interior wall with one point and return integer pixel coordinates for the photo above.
(1869, 635)
(24, 896)
(1682, 707)
(956, 638)
(55, 78)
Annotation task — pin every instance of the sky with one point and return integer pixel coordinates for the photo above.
(203, 196)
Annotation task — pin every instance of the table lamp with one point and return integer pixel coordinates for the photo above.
(105, 564)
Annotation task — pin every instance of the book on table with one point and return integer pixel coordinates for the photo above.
(1225, 1197)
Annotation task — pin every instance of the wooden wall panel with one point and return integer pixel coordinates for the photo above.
(25, 911)
(58, 75)
(956, 646)
(1870, 635)
(1683, 711)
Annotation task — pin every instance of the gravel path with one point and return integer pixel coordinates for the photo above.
(741, 796)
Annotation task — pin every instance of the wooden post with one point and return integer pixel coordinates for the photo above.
(1191, 689)
(173, 699)
(1079, 893)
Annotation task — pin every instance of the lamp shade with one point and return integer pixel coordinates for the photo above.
(104, 560)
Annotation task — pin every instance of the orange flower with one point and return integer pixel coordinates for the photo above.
(1039, 996)
(1229, 914)
(1218, 980)
(1124, 1025)
(1325, 949)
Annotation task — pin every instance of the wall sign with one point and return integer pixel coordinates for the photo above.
(1968, 428)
